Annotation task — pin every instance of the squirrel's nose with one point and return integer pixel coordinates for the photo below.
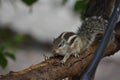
(55, 51)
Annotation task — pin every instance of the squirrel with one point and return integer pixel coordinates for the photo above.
(70, 43)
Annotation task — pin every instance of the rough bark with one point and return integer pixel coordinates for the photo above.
(51, 69)
(100, 8)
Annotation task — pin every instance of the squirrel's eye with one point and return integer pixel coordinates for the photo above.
(61, 44)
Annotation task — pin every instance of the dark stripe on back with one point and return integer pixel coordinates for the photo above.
(61, 35)
(67, 35)
(72, 40)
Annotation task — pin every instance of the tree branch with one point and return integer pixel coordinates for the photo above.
(101, 8)
(51, 69)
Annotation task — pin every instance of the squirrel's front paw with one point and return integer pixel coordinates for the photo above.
(76, 55)
(65, 58)
(63, 61)
(47, 56)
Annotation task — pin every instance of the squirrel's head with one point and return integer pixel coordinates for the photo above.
(63, 42)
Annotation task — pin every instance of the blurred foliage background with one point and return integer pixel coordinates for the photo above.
(27, 28)
(9, 40)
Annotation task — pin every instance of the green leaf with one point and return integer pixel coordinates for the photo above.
(80, 7)
(3, 34)
(10, 55)
(8, 45)
(29, 2)
(18, 38)
(1, 49)
(3, 61)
